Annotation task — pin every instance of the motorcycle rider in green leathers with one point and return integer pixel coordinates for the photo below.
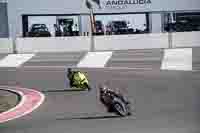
(75, 79)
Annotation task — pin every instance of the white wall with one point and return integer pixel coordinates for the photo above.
(52, 44)
(6, 45)
(156, 23)
(18, 7)
(186, 39)
(156, 5)
(114, 42)
(4, 1)
(85, 24)
(125, 42)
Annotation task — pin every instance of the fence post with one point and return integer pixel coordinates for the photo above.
(14, 45)
(170, 37)
(92, 47)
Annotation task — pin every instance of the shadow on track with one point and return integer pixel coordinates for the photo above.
(89, 118)
(69, 90)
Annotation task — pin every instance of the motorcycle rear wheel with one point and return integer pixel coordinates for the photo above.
(86, 86)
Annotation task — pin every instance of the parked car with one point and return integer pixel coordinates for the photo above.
(118, 27)
(184, 25)
(39, 30)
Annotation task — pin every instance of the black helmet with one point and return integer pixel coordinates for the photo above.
(69, 70)
(102, 87)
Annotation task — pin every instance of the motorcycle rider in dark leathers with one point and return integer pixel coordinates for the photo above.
(104, 89)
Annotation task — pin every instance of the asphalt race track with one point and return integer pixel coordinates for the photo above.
(164, 101)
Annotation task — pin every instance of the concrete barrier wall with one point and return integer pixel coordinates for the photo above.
(52, 44)
(125, 42)
(113, 42)
(6, 45)
(186, 39)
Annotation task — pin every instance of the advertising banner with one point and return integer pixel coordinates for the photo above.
(122, 4)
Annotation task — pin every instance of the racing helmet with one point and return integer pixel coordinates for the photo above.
(69, 70)
(102, 88)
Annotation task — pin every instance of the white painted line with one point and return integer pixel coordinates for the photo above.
(64, 67)
(95, 59)
(177, 59)
(15, 60)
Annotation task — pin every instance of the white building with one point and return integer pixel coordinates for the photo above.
(20, 14)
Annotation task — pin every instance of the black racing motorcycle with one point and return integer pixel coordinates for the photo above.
(115, 104)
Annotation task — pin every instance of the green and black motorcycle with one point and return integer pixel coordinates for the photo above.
(78, 80)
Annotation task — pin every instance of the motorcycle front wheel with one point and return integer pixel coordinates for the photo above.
(120, 109)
